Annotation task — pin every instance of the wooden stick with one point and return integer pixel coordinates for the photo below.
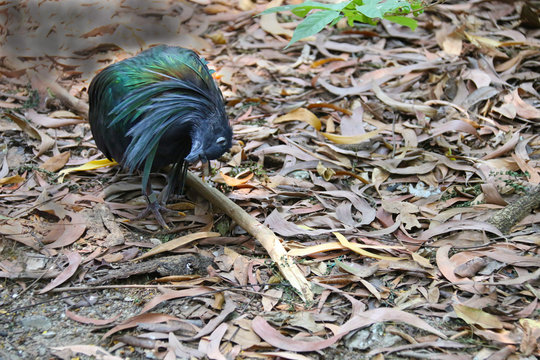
(47, 81)
(514, 212)
(264, 235)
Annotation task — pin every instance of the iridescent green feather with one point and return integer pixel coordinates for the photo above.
(138, 102)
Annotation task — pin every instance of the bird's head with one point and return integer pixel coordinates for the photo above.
(210, 143)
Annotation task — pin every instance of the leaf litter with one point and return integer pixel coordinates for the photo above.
(400, 145)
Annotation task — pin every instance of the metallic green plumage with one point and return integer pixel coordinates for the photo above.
(158, 108)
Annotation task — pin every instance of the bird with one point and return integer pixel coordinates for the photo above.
(161, 107)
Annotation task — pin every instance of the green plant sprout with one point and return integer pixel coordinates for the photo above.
(364, 11)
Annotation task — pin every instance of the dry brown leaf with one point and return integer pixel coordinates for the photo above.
(140, 319)
(176, 243)
(213, 351)
(169, 295)
(477, 317)
(15, 179)
(74, 261)
(234, 182)
(273, 337)
(56, 162)
(270, 24)
(71, 232)
(87, 320)
(523, 109)
(300, 114)
(46, 142)
(89, 350)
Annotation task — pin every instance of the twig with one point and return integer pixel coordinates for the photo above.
(61, 93)
(180, 286)
(264, 235)
(401, 106)
(14, 96)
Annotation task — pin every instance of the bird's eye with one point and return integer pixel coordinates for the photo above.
(221, 141)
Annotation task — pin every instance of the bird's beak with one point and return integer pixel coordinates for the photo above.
(195, 153)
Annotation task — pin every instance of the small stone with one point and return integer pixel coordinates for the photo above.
(149, 354)
(38, 322)
(300, 175)
(42, 351)
(36, 263)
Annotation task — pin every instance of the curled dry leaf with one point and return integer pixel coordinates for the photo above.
(176, 243)
(140, 319)
(74, 260)
(357, 249)
(15, 179)
(355, 139)
(300, 114)
(46, 142)
(87, 320)
(401, 106)
(234, 182)
(72, 232)
(91, 165)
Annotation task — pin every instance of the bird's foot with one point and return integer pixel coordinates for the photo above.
(156, 208)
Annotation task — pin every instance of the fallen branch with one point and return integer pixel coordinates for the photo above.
(402, 106)
(264, 235)
(514, 212)
(65, 97)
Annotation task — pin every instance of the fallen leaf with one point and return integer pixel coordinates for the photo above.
(91, 165)
(300, 114)
(87, 320)
(234, 182)
(177, 242)
(74, 260)
(56, 162)
(477, 317)
(270, 24)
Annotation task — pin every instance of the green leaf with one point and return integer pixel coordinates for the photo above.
(371, 8)
(402, 20)
(301, 10)
(313, 24)
(278, 9)
(379, 8)
(353, 15)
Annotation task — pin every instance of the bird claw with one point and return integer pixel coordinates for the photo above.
(156, 208)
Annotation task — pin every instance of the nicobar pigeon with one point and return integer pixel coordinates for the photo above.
(161, 107)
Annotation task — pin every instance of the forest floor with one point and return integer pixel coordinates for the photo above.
(376, 154)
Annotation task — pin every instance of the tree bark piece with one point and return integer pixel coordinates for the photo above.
(514, 212)
(263, 234)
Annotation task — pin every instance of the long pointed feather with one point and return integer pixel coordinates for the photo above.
(157, 108)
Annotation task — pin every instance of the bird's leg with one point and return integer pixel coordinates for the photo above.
(183, 177)
(154, 206)
(175, 182)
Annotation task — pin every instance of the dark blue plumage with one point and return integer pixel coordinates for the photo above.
(161, 107)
